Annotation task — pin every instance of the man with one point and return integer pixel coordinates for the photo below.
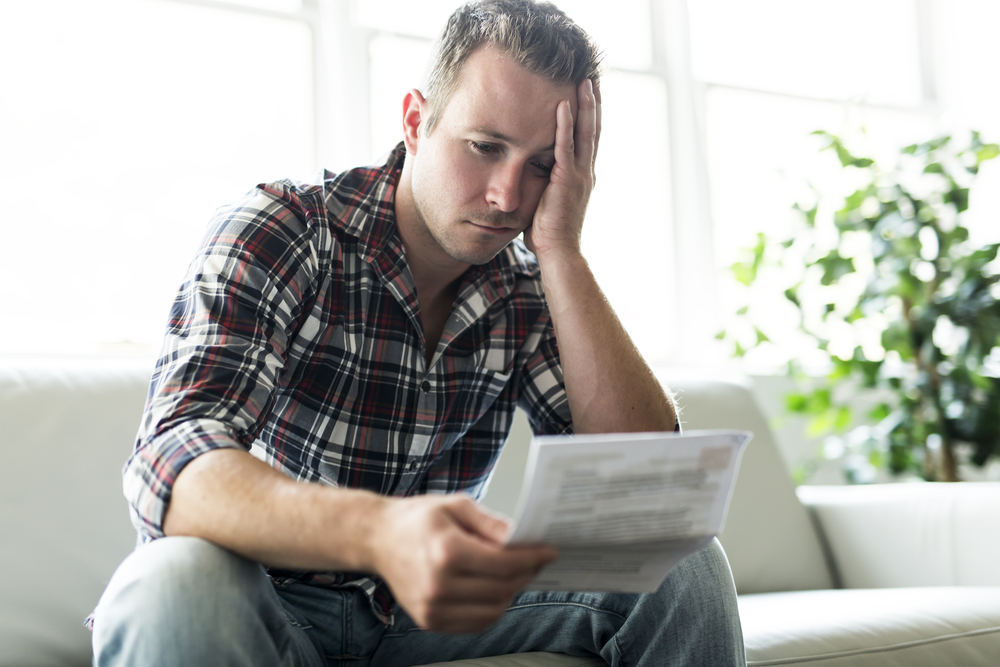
(371, 337)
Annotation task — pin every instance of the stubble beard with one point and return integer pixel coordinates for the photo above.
(446, 237)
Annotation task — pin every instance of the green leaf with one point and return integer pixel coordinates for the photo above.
(721, 335)
(834, 267)
(981, 382)
(869, 372)
(841, 369)
(820, 400)
(934, 168)
(857, 198)
(743, 310)
(987, 152)
(796, 403)
(875, 458)
(843, 155)
(818, 425)
(959, 197)
(848, 160)
(897, 337)
(744, 272)
(761, 337)
(935, 144)
(958, 235)
(880, 412)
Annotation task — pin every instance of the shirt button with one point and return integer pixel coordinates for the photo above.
(412, 466)
(426, 386)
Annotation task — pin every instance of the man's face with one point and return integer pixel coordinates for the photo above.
(478, 177)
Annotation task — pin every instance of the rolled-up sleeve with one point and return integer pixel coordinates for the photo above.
(226, 343)
(542, 391)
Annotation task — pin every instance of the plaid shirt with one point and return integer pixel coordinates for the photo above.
(297, 330)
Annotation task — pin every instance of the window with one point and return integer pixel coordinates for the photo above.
(772, 71)
(125, 123)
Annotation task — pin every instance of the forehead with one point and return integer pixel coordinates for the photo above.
(496, 94)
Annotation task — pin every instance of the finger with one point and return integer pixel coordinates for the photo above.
(479, 546)
(586, 123)
(476, 558)
(476, 520)
(565, 149)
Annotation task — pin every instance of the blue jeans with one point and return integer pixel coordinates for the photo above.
(184, 601)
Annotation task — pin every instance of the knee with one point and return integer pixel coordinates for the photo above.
(700, 587)
(697, 604)
(179, 566)
(706, 575)
(170, 588)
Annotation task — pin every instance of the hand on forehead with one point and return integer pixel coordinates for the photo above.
(495, 91)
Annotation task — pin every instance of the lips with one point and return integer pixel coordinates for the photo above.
(491, 228)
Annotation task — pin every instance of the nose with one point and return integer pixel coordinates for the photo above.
(505, 188)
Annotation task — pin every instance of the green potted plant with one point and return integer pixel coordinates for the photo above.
(891, 268)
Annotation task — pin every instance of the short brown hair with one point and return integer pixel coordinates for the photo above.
(536, 35)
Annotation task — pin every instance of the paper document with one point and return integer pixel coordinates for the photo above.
(623, 509)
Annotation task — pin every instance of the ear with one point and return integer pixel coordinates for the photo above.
(414, 111)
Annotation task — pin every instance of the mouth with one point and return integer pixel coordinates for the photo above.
(490, 229)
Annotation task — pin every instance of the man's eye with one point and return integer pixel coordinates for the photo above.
(544, 168)
(483, 148)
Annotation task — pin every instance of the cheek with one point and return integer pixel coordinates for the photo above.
(533, 188)
(467, 179)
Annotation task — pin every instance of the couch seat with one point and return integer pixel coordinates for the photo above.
(905, 627)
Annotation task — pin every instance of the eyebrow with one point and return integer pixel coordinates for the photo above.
(500, 136)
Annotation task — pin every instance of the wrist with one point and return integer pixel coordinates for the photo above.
(374, 527)
(352, 524)
(559, 256)
(563, 272)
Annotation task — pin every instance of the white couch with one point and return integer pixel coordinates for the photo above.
(891, 575)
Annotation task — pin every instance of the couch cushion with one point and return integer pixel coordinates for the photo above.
(66, 429)
(769, 538)
(918, 534)
(911, 627)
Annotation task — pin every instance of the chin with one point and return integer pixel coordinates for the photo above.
(477, 256)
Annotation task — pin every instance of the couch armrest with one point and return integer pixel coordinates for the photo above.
(921, 534)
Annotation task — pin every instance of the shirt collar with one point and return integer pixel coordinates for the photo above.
(363, 200)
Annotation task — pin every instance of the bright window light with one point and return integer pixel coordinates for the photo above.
(397, 65)
(126, 123)
(622, 31)
(627, 238)
(861, 50)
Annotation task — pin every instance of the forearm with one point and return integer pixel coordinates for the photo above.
(231, 499)
(609, 386)
(441, 555)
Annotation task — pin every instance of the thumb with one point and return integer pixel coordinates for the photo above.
(478, 521)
